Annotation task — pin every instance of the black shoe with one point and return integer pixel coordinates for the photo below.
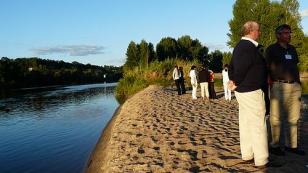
(295, 151)
(277, 151)
(269, 165)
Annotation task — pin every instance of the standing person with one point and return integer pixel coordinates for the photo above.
(211, 85)
(204, 82)
(285, 97)
(225, 80)
(176, 77)
(247, 73)
(193, 80)
(181, 80)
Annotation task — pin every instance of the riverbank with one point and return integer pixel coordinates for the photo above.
(158, 131)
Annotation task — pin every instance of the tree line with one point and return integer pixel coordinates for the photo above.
(36, 72)
(269, 14)
(184, 48)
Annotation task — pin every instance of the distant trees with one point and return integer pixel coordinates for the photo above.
(184, 48)
(34, 72)
(215, 61)
(226, 58)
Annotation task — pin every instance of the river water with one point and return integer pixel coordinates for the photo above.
(53, 129)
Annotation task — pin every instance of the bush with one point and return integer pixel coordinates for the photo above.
(158, 73)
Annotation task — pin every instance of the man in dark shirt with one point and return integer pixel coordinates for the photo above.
(286, 90)
(204, 82)
(247, 74)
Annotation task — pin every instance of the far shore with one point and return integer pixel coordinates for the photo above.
(158, 131)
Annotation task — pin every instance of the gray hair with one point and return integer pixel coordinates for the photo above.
(248, 27)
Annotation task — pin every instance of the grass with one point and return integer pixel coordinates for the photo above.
(158, 73)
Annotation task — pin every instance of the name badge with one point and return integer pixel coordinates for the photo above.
(288, 56)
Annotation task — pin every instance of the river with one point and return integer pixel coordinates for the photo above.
(53, 129)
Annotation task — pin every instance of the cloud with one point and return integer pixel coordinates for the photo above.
(72, 50)
(304, 13)
(221, 47)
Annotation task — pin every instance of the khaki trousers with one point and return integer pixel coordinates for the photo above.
(285, 107)
(252, 126)
(204, 89)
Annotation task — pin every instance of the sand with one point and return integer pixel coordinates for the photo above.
(157, 130)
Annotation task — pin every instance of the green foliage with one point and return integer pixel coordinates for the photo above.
(158, 72)
(166, 48)
(269, 14)
(185, 44)
(128, 86)
(132, 55)
(215, 63)
(226, 58)
(144, 54)
(34, 72)
(185, 48)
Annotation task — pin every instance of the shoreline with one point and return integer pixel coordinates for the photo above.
(156, 130)
(97, 156)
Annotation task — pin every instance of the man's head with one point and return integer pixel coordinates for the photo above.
(251, 30)
(283, 33)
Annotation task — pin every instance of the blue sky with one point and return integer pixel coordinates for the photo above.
(99, 31)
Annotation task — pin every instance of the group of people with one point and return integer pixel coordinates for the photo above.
(204, 77)
(251, 74)
(265, 84)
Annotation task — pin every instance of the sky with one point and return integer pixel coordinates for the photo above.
(98, 31)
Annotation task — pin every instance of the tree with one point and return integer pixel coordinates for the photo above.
(216, 61)
(197, 50)
(152, 54)
(184, 45)
(166, 48)
(144, 54)
(132, 55)
(226, 58)
(269, 15)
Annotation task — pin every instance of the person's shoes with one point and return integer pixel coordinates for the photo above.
(251, 161)
(276, 151)
(295, 151)
(269, 164)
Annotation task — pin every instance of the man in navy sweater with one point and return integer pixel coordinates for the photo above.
(247, 75)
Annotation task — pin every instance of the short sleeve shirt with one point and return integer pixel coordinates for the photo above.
(282, 62)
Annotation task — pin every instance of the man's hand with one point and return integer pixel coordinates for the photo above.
(231, 85)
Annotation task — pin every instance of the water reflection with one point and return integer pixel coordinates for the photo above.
(53, 129)
(40, 99)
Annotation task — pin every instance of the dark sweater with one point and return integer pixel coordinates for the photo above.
(247, 67)
(281, 68)
(204, 76)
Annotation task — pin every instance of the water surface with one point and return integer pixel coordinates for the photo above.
(52, 129)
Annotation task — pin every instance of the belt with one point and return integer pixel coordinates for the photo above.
(285, 81)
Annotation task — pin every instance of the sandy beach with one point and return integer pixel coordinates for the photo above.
(158, 131)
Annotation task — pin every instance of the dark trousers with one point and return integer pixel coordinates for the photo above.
(177, 84)
(212, 90)
(182, 86)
